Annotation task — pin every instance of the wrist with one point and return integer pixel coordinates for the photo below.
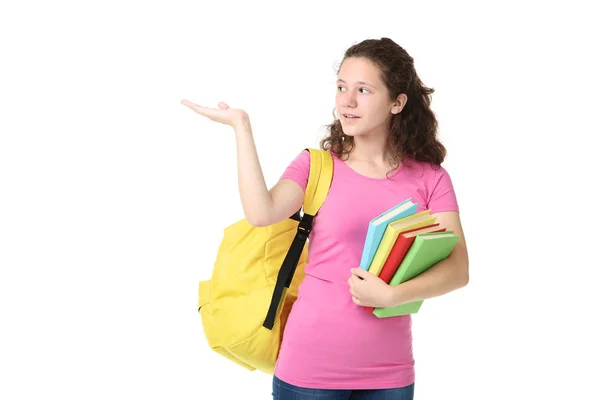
(242, 125)
(396, 296)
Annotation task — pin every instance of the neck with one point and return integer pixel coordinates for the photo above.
(371, 148)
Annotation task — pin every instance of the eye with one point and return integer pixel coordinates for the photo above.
(365, 90)
(340, 88)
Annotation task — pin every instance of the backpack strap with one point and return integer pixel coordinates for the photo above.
(319, 180)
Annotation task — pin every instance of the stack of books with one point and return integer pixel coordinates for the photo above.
(401, 244)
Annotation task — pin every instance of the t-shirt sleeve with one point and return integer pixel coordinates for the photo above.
(298, 169)
(443, 197)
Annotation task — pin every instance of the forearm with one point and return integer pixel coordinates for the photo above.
(444, 277)
(254, 194)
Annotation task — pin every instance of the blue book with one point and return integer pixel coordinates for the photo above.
(377, 228)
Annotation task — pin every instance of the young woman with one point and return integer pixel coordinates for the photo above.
(385, 150)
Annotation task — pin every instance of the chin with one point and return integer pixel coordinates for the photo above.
(352, 132)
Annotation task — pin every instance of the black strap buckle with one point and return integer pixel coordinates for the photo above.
(305, 224)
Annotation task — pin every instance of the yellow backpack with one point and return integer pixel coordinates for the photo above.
(245, 304)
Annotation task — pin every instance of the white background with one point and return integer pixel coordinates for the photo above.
(113, 195)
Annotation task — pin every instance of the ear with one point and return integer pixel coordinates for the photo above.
(399, 103)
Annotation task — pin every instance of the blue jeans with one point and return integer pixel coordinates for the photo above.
(285, 391)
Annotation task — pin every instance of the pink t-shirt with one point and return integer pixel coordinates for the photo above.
(329, 342)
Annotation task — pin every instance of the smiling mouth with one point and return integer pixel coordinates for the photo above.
(350, 116)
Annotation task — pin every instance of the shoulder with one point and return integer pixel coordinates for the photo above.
(304, 157)
(298, 169)
(301, 159)
(426, 170)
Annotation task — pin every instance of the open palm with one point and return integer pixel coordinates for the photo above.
(223, 114)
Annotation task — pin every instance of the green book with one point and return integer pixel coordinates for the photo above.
(427, 250)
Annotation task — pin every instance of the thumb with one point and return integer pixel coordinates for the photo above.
(223, 106)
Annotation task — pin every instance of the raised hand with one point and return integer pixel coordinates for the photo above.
(223, 114)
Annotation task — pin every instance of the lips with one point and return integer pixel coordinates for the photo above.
(350, 116)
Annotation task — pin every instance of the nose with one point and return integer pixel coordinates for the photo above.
(349, 99)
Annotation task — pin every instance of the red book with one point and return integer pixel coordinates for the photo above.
(399, 250)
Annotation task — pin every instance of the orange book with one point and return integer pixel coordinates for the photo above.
(399, 250)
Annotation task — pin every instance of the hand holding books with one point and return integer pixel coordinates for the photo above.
(368, 290)
(402, 244)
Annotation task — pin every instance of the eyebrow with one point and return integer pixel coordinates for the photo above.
(359, 82)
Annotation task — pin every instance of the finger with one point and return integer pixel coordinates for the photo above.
(356, 280)
(223, 106)
(187, 103)
(356, 301)
(361, 273)
(211, 113)
(194, 106)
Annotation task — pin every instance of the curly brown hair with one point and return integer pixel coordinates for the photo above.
(413, 131)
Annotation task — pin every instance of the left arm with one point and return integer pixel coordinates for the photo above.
(447, 275)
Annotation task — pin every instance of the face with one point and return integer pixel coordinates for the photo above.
(362, 101)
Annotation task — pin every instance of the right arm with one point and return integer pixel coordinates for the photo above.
(261, 206)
